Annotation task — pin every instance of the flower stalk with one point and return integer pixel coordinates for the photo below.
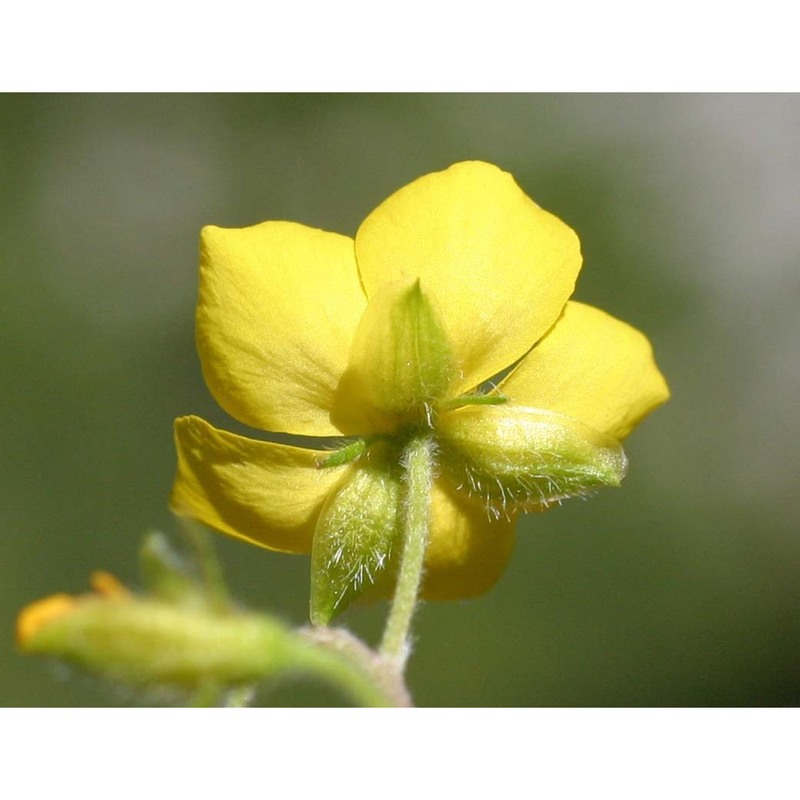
(418, 482)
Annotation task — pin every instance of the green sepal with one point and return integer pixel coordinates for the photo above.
(355, 541)
(513, 458)
(400, 360)
(344, 455)
(476, 399)
(165, 573)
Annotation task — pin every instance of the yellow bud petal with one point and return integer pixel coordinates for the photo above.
(108, 585)
(35, 616)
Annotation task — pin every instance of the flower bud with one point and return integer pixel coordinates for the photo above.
(142, 641)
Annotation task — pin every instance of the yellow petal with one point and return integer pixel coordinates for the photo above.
(265, 493)
(277, 309)
(467, 551)
(593, 367)
(499, 267)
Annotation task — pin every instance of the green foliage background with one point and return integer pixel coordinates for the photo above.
(681, 588)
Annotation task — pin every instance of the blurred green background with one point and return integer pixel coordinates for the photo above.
(681, 588)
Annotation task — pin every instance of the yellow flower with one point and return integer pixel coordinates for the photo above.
(452, 281)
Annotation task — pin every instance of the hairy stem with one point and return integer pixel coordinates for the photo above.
(418, 478)
(346, 662)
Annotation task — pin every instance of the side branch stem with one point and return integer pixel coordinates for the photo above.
(418, 462)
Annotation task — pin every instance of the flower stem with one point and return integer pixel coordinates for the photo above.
(337, 657)
(418, 477)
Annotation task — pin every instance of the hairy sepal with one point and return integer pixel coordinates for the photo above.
(515, 458)
(356, 539)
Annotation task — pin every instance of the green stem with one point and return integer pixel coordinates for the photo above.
(418, 462)
(342, 661)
